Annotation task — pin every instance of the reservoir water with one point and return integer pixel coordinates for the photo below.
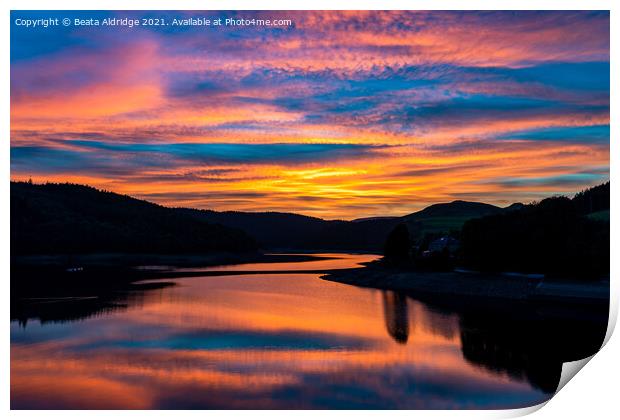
(288, 340)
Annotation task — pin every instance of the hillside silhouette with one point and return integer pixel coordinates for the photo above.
(556, 236)
(70, 218)
(540, 237)
(458, 208)
(274, 230)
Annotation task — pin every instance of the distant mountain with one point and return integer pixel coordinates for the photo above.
(69, 218)
(57, 218)
(290, 231)
(293, 231)
(514, 206)
(458, 208)
(446, 217)
(367, 219)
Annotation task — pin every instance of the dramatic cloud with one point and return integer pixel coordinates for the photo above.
(339, 114)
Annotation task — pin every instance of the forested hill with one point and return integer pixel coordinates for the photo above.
(275, 230)
(556, 236)
(69, 218)
(289, 231)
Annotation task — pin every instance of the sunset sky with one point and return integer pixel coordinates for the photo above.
(340, 115)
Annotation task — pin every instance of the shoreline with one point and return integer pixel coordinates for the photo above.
(44, 274)
(473, 286)
(121, 259)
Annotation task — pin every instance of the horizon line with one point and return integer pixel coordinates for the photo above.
(29, 181)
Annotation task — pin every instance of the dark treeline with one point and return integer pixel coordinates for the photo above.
(556, 236)
(430, 238)
(69, 218)
(276, 230)
(593, 200)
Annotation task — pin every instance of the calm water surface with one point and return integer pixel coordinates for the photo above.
(267, 341)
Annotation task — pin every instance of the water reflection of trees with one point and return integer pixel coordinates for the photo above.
(529, 346)
(396, 315)
(525, 342)
(79, 303)
(511, 350)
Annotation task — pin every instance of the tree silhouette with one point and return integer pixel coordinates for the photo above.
(398, 244)
(555, 237)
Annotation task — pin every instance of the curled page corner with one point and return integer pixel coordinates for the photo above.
(570, 369)
(613, 314)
